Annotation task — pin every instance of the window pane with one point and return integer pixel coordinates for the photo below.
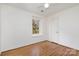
(35, 26)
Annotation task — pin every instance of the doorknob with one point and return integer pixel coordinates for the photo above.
(57, 32)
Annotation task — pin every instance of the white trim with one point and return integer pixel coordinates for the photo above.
(37, 34)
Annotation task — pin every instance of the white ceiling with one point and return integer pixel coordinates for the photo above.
(37, 7)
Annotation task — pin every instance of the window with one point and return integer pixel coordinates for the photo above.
(35, 26)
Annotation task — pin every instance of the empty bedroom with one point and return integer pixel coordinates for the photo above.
(39, 29)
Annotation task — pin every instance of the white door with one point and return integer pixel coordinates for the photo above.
(54, 29)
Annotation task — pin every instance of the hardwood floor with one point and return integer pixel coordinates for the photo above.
(0, 53)
(44, 48)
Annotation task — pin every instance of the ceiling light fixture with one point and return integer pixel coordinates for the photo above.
(46, 5)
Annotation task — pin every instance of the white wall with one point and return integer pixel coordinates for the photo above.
(0, 28)
(64, 27)
(17, 28)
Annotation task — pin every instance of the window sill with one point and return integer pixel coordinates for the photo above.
(37, 34)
